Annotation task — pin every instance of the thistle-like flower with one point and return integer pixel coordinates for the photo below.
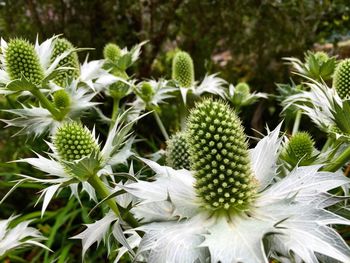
(19, 236)
(177, 155)
(233, 201)
(341, 81)
(76, 156)
(112, 52)
(183, 75)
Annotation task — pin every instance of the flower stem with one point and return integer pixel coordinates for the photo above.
(338, 163)
(115, 112)
(296, 122)
(161, 126)
(47, 104)
(103, 192)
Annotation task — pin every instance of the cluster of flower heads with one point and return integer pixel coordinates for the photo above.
(215, 200)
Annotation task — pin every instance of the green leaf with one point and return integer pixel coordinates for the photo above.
(20, 85)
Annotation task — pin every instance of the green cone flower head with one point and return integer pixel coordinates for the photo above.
(243, 89)
(299, 149)
(177, 155)
(21, 59)
(183, 70)
(341, 79)
(61, 45)
(61, 100)
(73, 142)
(219, 156)
(112, 52)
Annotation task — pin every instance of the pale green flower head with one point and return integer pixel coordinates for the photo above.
(22, 60)
(341, 79)
(219, 156)
(62, 100)
(177, 152)
(183, 70)
(112, 52)
(62, 45)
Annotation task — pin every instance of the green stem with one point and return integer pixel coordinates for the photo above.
(327, 144)
(161, 126)
(115, 112)
(296, 122)
(103, 192)
(47, 104)
(338, 163)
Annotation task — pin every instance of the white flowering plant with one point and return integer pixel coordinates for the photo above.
(161, 170)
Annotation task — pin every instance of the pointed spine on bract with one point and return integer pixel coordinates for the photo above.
(177, 155)
(341, 79)
(183, 70)
(21, 59)
(299, 149)
(62, 45)
(219, 157)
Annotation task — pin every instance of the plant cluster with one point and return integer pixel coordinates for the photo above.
(203, 195)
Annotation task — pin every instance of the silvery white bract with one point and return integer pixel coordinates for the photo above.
(250, 99)
(20, 235)
(116, 150)
(289, 214)
(210, 84)
(38, 120)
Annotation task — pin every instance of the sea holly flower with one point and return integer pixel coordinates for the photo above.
(19, 236)
(240, 95)
(183, 75)
(71, 102)
(177, 152)
(318, 65)
(233, 200)
(76, 157)
(341, 81)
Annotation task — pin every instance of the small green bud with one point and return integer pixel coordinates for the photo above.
(177, 155)
(341, 79)
(112, 52)
(73, 142)
(147, 91)
(243, 89)
(21, 59)
(299, 149)
(61, 45)
(219, 156)
(61, 100)
(183, 70)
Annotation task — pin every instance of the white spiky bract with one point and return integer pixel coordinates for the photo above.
(21, 235)
(245, 100)
(289, 213)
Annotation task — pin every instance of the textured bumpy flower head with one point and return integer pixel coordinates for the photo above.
(177, 155)
(22, 60)
(243, 89)
(183, 71)
(341, 79)
(73, 142)
(111, 51)
(61, 99)
(61, 45)
(219, 156)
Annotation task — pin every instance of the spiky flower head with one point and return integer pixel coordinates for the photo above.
(177, 155)
(22, 60)
(61, 99)
(73, 142)
(146, 91)
(183, 70)
(112, 52)
(61, 45)
(341, 79)
(299, 149)
(219, 156)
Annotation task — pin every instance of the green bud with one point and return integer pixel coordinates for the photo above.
(112, 52)
(219, 156)
(183, 70)
(73, 142)
(61, 45)
(21, 59)
(177, 155)
(341, 79)
(299, 149)
(61, 100)
(243, 89)
(147, 91)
